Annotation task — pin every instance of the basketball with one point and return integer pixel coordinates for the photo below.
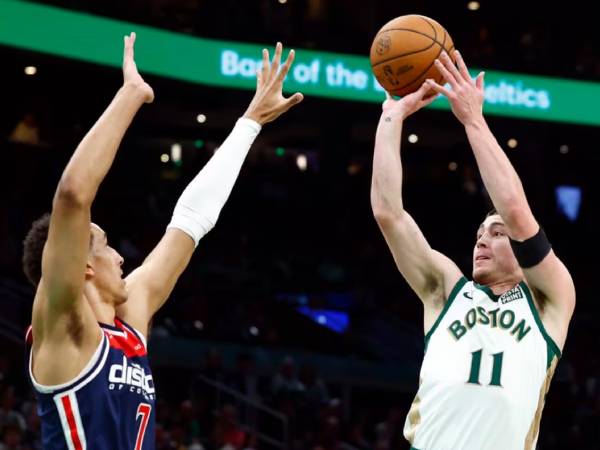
(404, 50)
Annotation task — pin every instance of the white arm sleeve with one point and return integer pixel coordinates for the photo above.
(198, 208)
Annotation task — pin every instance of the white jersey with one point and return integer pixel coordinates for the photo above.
(487, 367)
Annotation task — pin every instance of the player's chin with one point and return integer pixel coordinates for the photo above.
(121, 296)
(479, 274)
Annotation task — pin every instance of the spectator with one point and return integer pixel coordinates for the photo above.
(227, 434)
(12, 434)
(285, 382)
(244, 379)
(315, 390)
(388, 434)
(8, 411)
(26, 131)
(213, 366)
(189, 422)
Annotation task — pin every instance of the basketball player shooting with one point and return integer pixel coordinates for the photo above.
(491, 344)
(88, 360)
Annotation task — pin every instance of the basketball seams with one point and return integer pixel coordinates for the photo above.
(412, 52)
(442, 48)
(432, 27)
(433, 38)
(404, 54)
(433, 42)
(429, 66)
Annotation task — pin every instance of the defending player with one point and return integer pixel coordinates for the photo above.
(88, 359)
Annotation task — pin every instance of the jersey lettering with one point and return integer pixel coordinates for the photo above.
(493, 318)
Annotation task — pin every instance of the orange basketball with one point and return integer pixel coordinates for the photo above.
(404, 50)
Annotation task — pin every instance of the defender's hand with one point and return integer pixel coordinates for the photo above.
(131, 76)
(268, 102)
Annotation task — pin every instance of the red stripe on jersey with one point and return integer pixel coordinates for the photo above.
(66, 401)
(130, 344)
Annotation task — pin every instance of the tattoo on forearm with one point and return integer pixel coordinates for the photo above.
(388, 119)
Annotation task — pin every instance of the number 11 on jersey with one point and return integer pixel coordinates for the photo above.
(476, 365)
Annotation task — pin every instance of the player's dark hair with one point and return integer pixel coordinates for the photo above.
(33, 247)
(491, 212)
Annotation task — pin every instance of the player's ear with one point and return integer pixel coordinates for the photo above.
(89, 271)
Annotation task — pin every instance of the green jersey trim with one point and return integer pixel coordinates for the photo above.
(493, 297)
(455, 290)
(552, 347)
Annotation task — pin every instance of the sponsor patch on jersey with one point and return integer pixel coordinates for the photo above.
(133, 375)
(514, 294)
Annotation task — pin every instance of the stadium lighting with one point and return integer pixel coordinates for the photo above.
(301, 162)
(176, 153)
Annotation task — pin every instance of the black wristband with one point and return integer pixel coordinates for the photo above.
(531, 251)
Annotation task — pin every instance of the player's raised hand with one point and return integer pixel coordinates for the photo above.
(409, 104)
(466, 94)
(131, 76)
(268, 102)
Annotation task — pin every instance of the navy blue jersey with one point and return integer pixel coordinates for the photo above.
(109, 405)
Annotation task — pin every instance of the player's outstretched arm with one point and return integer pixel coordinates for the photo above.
(200, 204)
(429, 273)
(549, 277)
(66, 249)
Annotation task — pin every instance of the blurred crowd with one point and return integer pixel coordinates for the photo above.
(220, 407)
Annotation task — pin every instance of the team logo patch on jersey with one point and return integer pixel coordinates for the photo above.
(513, 294)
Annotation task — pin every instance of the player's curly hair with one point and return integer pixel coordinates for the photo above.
(33, 246)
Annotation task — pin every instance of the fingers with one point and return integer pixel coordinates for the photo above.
(428, 100)
(286, 66)
(258, 78)
(128, 46)
(479, 80)
(276, 59)
(292, 101)
(449, 64)
(422, 90)
(265, 63)
(437, 88)
(462, 67)
(295, 99)
(448, 70)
